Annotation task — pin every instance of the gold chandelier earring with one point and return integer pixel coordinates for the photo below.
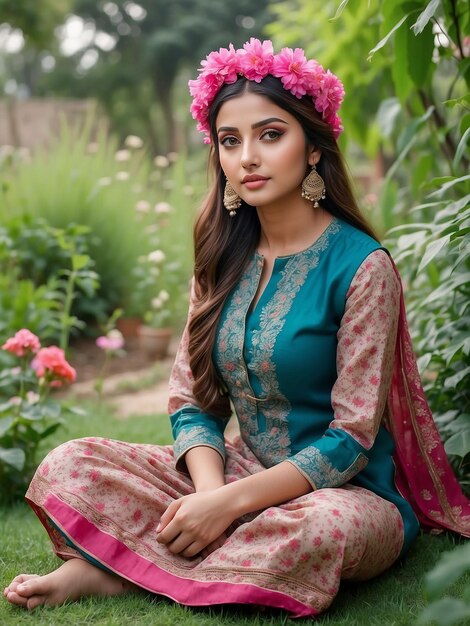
(313, 187)
(232, 200)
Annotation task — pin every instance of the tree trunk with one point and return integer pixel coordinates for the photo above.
(163, 92)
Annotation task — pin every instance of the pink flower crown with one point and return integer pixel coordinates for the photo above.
(255, 61)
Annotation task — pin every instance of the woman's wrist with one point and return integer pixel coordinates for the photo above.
(208, 485)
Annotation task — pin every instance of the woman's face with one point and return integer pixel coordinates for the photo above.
(262, 150)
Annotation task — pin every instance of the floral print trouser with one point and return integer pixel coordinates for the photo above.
(102, 499)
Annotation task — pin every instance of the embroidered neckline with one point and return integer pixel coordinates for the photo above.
(318, 242)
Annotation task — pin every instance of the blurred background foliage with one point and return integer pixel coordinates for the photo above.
(406, 69)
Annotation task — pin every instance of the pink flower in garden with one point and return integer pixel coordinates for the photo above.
(23, 343)
(256, 59)
(51, 361)
(112, 341)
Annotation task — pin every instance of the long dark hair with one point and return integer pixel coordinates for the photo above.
(223, 244)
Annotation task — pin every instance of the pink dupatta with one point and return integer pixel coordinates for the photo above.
(424, 476)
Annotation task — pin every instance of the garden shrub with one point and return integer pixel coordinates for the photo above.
(41, 268)
(75, 182)
(130, 206)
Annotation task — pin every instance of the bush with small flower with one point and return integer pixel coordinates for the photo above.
(28, 414)
(112, 344)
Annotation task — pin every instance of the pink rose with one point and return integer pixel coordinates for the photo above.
(22, 343)
(51, 361)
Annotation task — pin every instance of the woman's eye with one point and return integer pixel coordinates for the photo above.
(229, 141)
(271, 134)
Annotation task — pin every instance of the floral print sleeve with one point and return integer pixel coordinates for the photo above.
(191, 426)
(365, 353)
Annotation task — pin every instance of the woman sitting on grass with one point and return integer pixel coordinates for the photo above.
(297, 322)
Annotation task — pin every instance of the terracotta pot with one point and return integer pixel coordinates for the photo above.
(155, 341)
(129, 326)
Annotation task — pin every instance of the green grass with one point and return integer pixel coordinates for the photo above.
(394, 599)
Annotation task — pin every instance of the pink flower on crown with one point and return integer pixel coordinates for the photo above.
(330, 96)
(224, 63)
(256, 59)
(292, 68)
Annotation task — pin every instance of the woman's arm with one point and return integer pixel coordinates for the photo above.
(195, 521)
(205, 467)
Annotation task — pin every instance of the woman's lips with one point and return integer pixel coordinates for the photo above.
(254, 182)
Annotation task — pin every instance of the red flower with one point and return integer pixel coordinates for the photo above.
(22, 343)
(51, 361)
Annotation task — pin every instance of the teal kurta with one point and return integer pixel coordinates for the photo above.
(279, 363)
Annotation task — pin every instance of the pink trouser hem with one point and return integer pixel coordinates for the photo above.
(118, 558)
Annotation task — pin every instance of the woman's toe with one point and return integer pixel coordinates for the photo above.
(16, 599)
(35, 601)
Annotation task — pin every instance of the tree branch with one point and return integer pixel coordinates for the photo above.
(455, 19)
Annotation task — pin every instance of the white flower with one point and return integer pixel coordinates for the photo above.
(161, 161)
(172, 156)
(122, 175)
(32, 397)
(164, 295)
(92, 147)
(142, 206)
(115, 334)
(156, 303)
(162, 207)
(157, 256)
(132, 141)
(122, 155)
(104, 182)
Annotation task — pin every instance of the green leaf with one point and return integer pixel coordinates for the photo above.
(454, 380)
(425, 16)
(432, 251)
(50, 430)
(31, 412)
(383, 41)
(459, 444)
(445, 612)
(79, 261)
(339, 10)
(389, 110)
(51, 409)
(420, 51)
(460, 148)
(14, 457)
(439, 193)
(450, 567)
(5, 424)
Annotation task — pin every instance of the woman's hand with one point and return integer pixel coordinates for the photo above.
(195, 522)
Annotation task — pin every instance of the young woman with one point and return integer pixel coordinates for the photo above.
(297, 322)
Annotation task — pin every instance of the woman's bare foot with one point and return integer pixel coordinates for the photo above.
(72, 580)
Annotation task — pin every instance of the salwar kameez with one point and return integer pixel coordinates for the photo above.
(316, 373)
